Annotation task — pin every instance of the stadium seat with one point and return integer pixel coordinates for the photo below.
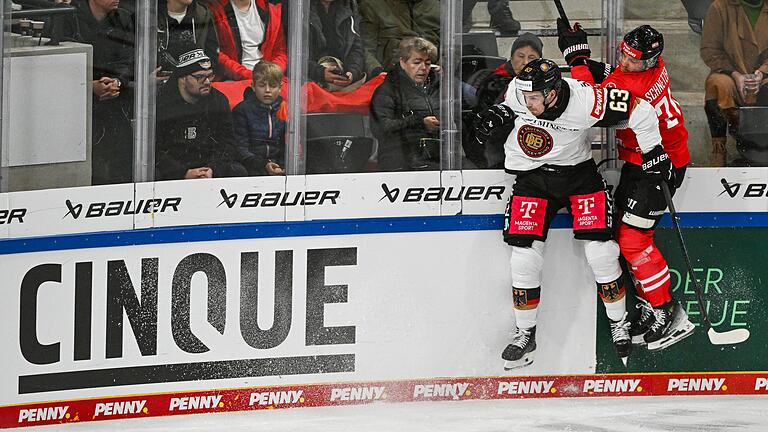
(335, 124)
(338, 154)
(753, 135)
(480, 43)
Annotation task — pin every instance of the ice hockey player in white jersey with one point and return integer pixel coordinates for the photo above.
(549, 152)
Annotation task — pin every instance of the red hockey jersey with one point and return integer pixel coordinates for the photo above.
(651, 85)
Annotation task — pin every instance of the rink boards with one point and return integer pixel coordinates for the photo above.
(187, 297)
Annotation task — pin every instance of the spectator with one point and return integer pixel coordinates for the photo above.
(109, 30)
(404, 109)
(249, 31)
(259, 122)
(194, 124)
(385, 23)
(179, 21)
(731, 46)
(336, 56)
(527, 47)
(501, 17)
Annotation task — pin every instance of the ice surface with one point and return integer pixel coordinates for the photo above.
(604, 414)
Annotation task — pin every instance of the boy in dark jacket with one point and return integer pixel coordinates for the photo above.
(259, 122)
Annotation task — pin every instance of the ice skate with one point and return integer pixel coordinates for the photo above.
(639, 327)
(671, 326)
(521, 351)
(622, 343)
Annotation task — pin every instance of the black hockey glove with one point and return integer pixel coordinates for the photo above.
(656, 163)
(494, 117)
(573, 43)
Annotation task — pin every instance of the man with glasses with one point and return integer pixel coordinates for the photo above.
(194, 123)
(641, 71)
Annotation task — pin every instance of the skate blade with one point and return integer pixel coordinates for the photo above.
(517, 364)
(678, 335)
(624, 360)
(638, 340)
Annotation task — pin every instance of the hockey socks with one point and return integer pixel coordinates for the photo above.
(646, 263)
(526, 300)
(613, 296)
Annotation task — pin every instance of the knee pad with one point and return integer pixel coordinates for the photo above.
(526, 264)
(603, 258)
(634, 243)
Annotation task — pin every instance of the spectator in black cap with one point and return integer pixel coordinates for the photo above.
(194, 123)
(490, 91)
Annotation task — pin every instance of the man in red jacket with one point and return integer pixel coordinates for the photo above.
(249, 31)
(641, 71)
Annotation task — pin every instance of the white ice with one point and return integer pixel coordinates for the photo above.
(605, 414)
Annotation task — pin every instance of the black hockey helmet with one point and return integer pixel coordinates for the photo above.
(539, 75)
(643, 43)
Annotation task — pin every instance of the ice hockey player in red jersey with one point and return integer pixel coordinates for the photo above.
(550, 155)
(641, 202)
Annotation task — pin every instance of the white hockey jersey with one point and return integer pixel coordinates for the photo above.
(563, 141)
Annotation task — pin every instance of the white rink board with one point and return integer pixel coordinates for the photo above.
(324, 197)
(422, 305)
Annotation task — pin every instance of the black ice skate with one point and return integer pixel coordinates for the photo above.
(639, 327)
(671, 326)
(622, 343)
(521, 351)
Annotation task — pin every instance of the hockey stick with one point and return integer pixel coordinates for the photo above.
(561, 11)
(729, 337)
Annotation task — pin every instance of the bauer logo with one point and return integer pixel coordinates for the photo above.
(194, 403)
(695, 384)
(611, 385)
(278, 199)
(187, 316)
(437, 194)
(276, 398)
(121, 208)
(106, 409)
(33, 415)
(357, 393)
(454, 391)
(11, 216)
(525, 387)
(743, 190)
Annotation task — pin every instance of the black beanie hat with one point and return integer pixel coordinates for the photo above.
(189, 59)
(528, 39)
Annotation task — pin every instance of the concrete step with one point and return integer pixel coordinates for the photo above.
(653, 10)
(544, 11)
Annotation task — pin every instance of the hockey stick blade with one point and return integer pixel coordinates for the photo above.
(730, 337)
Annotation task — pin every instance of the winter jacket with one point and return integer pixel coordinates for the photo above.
(273, 47)
(490, 91)
(385, 23)
(194, 135)
(728, 41)
(112, 39)
(259, 132)
(398, 108)
(351, 53)
(197, 24)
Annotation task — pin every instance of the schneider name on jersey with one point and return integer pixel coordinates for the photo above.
(559, 137)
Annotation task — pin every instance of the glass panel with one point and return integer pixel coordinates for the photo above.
(70, 95)
(213, 119)
(499, 38)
